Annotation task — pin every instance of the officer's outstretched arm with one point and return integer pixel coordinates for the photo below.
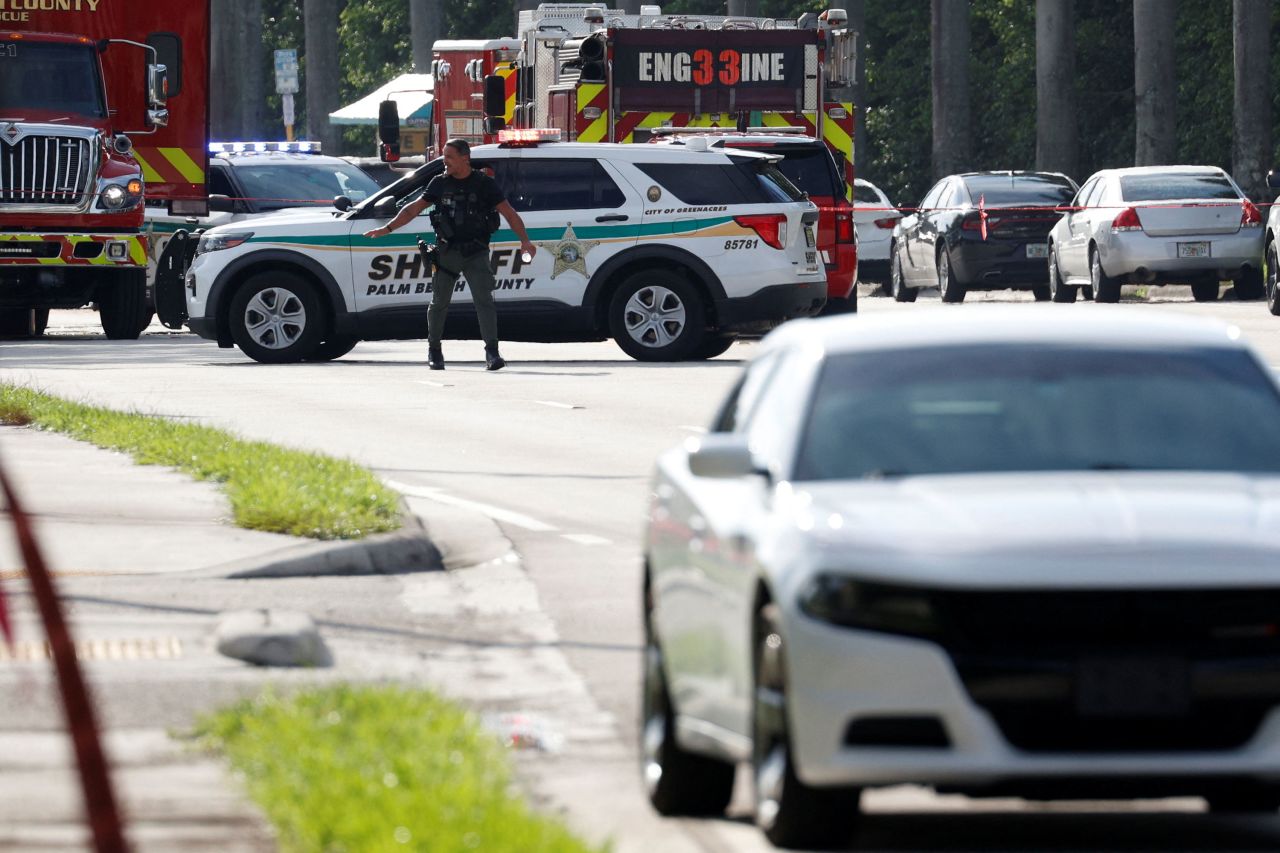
(406, 215)
(517, 225)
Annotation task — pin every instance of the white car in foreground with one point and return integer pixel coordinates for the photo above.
(1014, 552)
(1156, 225)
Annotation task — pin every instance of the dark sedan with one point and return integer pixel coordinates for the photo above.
(979, 231)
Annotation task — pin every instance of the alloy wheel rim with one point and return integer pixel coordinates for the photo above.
(1273, 275)
(655, 718)
(944, 272)
(655, 316)
(275, 318)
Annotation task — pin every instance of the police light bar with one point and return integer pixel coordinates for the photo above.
(528, 136)
(297, 147)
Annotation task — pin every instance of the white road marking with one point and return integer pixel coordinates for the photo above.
(497, 513)
(586, 539)
(697, 429)
(433, 384)
(557, 405)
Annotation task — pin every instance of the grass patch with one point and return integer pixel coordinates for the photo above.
(270, 488)
(378, 768)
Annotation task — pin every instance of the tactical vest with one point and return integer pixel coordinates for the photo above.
(461, 218)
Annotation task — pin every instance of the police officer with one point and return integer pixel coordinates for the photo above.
(464, 216)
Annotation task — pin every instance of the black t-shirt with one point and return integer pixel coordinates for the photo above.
(466, 203)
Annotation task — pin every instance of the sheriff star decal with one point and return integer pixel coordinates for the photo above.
(570, 252)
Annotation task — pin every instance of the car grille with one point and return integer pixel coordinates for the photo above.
(1118, 671)
(45, 170)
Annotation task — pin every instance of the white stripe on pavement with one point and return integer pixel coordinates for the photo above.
(586, 539)
(494, 512)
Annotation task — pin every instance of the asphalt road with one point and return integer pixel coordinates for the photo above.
(556, 449)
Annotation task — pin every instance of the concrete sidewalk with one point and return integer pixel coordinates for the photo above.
(101, 519)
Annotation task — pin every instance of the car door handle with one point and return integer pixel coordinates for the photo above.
(612, 217)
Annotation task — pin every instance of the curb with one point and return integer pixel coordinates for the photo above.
(408, 549)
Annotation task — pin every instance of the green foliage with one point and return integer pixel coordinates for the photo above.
(899, 113)
(1205, 89)
(270, 488)
(379, 768)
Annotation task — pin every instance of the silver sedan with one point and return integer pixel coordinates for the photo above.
(1014, 552)
(1155, 225)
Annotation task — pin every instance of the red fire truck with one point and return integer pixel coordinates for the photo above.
(602, 75)
(103, 103)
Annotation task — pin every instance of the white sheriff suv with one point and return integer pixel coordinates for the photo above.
(670, 251)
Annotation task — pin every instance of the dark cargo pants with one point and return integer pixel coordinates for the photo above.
(481, 281)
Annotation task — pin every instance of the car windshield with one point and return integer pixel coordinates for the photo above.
(940, 410)
(999, 190)
(1173, 186)
(277, 185)
(48, 76)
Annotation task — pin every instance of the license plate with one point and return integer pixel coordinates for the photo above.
(1134, 686)
(1193, 250)
(1037, 250)
(808, 236)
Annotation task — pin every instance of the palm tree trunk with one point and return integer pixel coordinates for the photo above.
(320, 27)
(1155, 86)
(426, 25)
(1056, 148)
(950, 48)
(1251, 150)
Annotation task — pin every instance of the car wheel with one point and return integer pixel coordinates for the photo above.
(276, 318)
(1205, 291)
(949, 287)
(1249, 286)
(334, 347)
(714, 345)
(1058, 291)
(122, 305)
(789, 812)
(656, 315)
(1273, 272)
(1244, 799)
(1105, 288)
(897, 284)
(677, 782)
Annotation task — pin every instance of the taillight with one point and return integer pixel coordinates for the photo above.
(971, 222)
(1127, 220)
(1250, 217)
(844, 221)
(772, 227)
(886, 224)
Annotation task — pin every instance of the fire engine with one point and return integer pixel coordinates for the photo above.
(103, 104)
(459, 68)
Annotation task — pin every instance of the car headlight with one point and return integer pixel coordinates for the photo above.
(217, 242)
(871, 606)
(120, 197)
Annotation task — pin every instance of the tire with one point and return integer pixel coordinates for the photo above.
(334, 347)
(714, 345)
(1058, 291)
(897, 284)
(276, 318)
(789, 812)
(1250, 286)
(122, 305)
(949, 287)
(657, 315)
(23, 322)
(1273, 273)
(1105, 288)
(1244, 799)
(1205, 291)
(677, 782)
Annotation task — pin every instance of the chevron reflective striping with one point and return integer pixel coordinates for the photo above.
(149, 174)
(181, 160)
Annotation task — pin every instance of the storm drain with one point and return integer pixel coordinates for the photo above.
(123, 648)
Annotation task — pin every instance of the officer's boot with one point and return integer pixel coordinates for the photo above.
(435, 357)
(493, 361)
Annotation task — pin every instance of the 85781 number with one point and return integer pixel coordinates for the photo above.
(730, 245)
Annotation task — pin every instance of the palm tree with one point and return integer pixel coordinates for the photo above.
(1155, 85)
(950, 42)
(1055, 87)
(1251, 150)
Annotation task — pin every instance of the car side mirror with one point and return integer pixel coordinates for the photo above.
(721, 456)
(388, 131)
(222, 203)
(342, 202)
